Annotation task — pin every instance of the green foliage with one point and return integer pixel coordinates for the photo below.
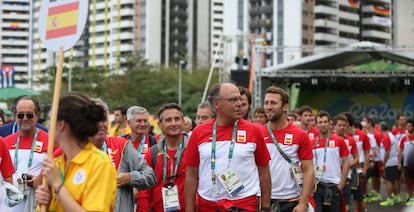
(141, 84)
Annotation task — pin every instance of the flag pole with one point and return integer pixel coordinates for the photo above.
(53, 118)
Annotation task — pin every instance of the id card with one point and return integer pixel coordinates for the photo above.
(297, 174)
(170, 198)
(231, 182)
(318, 173)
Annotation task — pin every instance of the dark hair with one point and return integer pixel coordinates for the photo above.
(277, 90)
(122, 108)
(371, 122)
(25, 97)
(339, 118)
(384, 126)
(3, 119)
(349, 118)
(411, 121)
(245, 91)
(304, 108)
(259, 110)
(81, 114)
(321, 114)
(166, 107)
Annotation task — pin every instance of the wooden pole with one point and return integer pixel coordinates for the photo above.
(53, 118)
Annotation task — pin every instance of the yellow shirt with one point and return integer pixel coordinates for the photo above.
(116, 131)
(90, 179)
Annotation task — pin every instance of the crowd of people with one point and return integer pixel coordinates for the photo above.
(227, 160)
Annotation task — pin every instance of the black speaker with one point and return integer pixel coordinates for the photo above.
(240, 77)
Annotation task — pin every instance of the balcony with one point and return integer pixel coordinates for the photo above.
(325, 10)
(326, 23)
(325, 37)
(376, 34)
(377, 21)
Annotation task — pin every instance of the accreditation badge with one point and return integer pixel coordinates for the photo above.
(170, 198)
(144, 149)
(230, 182)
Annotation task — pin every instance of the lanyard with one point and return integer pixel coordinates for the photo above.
(141, 145)
(61, 176)
(16, 158)
(177, 162)
(277, 144)
(213, 145)
(103, 147)
(326, 145)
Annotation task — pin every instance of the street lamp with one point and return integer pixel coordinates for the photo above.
(181, 62)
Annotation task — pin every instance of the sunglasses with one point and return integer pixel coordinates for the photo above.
(28, 115)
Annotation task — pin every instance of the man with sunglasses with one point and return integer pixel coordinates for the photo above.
(13, 127)
(27, 148)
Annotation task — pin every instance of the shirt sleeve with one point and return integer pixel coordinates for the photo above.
(387, 143)
(262, 155)
(305, 148)
(343, 149)
(191, 156)
(354, 149)
(144, 196)
(402, 142)
(366, 146)
(6, 165)
(142, 176)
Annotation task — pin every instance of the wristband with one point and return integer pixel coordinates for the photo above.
(58, 189)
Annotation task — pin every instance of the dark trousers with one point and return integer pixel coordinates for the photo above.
(278, 206)
(320, 197)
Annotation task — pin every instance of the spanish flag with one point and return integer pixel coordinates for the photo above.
(62, 20)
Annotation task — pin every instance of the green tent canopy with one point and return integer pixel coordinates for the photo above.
(13, 92)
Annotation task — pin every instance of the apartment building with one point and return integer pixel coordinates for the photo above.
(14, 41)
(303, 27)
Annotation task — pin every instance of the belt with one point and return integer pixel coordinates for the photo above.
(285, 200)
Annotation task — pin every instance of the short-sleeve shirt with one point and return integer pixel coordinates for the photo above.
(335, 150)
(407, 146)
(249, 153)
(90, 180)
(294, 142)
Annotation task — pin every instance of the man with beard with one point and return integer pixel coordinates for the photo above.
(28, 148)
(229, 146)
(331, 165)
(132, 171)
(246, 102)
(168, 193)
(290, 152)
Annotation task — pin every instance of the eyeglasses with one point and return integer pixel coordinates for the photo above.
(233, 99)
(28, 115)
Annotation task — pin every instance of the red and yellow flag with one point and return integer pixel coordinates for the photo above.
(62, 20)
(381, 10)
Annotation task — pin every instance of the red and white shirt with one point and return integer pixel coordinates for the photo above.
(389, 143)
(294, 142)
(335, 150)
(407, 146)
(249, 153)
